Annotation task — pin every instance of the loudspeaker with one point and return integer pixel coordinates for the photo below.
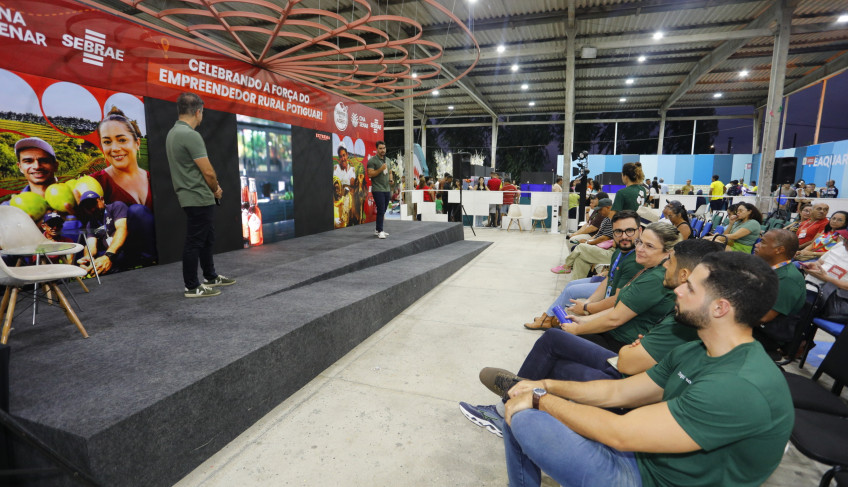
(609, 178)
(546, 178)
(784, 170)
(461, 165)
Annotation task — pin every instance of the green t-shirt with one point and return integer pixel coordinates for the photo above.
(753, 226)
(667, 335)
(791, 291)
(630, 198)
(649, 299)
(380, 182)
(736, 407)
(182, 146)
(624, 271)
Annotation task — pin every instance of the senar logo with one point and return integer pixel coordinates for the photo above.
(93, 47)
(340, 116)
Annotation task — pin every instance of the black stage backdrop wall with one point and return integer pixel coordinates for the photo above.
(312, 171)
(219, 132)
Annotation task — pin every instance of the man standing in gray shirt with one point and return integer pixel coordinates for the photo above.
(197, 188)
(378, 172)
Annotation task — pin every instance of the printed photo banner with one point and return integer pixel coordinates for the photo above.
(65, 40)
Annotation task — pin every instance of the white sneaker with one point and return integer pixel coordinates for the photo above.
(382, 235)
(378, 233)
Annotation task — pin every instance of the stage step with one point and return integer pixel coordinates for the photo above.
(163, 383)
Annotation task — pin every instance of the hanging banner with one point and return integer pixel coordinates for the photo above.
(65, 40)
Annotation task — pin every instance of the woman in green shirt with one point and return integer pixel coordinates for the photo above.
(634, 194)
(746, 229)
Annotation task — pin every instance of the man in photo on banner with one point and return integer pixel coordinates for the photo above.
(37, 162)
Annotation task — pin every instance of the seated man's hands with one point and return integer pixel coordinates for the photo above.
(518, 403)
(525, 386)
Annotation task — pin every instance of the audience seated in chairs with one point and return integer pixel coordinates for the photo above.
(743, 233)
(642, 302)
(777, 327)
(592, 252)
(679, 431)
(593, 295)
(826, 239)
(803, 215)
(808, 230)
(679, 217)
(562, 356)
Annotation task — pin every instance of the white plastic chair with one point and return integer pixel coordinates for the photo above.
(514, 215)
(15, 278)
(540, 214)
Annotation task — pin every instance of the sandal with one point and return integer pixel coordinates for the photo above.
(546, 323)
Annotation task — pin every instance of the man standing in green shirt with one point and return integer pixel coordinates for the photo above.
(378, 172)
(777, 329)
(198, 191)
(712, 412)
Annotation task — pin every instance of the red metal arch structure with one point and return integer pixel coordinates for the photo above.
(347, 50)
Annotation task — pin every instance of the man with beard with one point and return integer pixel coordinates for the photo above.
(587, 297)
(560, 355)
(712, 412)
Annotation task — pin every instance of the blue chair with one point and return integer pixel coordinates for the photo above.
(697, 225)
(719, 230)
(755, 245)
(830, 327)
(707, 227)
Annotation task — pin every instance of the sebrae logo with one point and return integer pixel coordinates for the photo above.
(340, 116)
(93, 47)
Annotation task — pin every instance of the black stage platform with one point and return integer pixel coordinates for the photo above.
(164, 382)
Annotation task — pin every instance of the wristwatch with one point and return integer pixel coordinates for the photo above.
(537, 394)
(110, 255)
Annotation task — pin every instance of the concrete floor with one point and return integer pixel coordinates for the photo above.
(387, 413)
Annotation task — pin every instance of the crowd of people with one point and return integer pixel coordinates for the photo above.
(435, 190)
(663, 372)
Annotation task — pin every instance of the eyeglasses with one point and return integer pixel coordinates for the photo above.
(627, 231)
(638, 242)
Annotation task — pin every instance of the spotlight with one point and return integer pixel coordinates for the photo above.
(532, 103)
(414, 75)
(501, 48)
(641, 59)
(658, 35)
(717, 95)
(842, 18)
(629, 81)
(743, 73)
(435, 92)
(525, 86)
(514, 68)
(450, 107)
(622, 100)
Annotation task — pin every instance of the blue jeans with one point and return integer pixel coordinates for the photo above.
(381, 199)
(537, 441)
(579, 289)
(200, 237)
(562, 356)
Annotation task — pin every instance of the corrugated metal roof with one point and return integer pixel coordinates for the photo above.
(534, 32)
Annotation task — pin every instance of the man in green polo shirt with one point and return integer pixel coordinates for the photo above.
(378, 172)
(198, 191)
(712, 412)
(777, 329)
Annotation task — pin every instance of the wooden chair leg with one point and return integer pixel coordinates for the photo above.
(84, 287)
(10, 312)
(69, 311)
(5, 300)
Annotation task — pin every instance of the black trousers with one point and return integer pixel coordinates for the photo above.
(200, 237)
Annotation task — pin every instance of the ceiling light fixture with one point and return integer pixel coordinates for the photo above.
(525, 86)
(641, 59)
(630, 81)
(717, 95)
(435, 92)
(743, 73)
(450, 107)
(501, 48)
(514, 67)
(622, 100)
(414, 75)
(658, 35)
(532, 103)
(842, 18)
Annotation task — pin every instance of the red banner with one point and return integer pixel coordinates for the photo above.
(65, 40)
